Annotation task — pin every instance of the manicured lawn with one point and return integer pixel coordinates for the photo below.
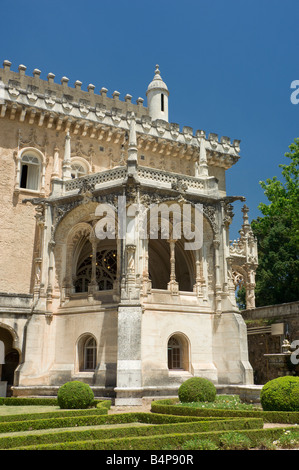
(15, 410)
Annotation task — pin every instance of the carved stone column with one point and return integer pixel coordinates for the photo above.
(68, 284)
(146, 282)
(93, 285)
(250, 289)
(18, 174)
(216, 244)
(55, 171)
(198, 275)
(51, 246)
(66, 165)
(173, 285)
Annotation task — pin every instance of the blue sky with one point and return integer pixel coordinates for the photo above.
(228, 65)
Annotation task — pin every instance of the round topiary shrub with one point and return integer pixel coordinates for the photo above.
(75, 395)
(197, 389)
(281, 394)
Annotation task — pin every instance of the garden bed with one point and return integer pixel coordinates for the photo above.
(170, 425)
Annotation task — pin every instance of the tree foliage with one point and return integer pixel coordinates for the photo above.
(277, 232)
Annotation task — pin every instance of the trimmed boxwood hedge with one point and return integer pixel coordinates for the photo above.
(125, 432)
(170, 406)
(168, 425)
(154, 442)
(281, 394)
(197, 389)
(33, 401)
(75, 395)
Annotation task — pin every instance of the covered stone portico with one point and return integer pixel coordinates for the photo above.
(116, 300)
(134, 314)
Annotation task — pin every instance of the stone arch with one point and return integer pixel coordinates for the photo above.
(76, 237)
(76, 160)
(239, 276)
(82, 362)
(12, 354)
(243, 276)
(66, 234)
(178, 351)
(42, 167)
(190, 261)
(75, 231)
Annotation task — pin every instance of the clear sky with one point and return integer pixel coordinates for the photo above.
(228, 65)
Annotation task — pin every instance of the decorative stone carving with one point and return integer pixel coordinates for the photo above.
(146, 122)
(174, 130)
(100, 111)
(66, 104)
(179, 185)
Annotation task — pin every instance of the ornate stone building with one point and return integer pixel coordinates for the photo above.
(90, 289)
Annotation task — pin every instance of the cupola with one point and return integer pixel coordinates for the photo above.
(157, 97)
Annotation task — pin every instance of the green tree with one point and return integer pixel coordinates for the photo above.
(277, 232)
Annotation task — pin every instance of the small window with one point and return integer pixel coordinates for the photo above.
(30, 172)
(77, 170)
(162, 102)
(178, 352)
(90, 354)
(174, 354)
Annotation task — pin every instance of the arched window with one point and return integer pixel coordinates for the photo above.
(89, 354)
(30, 171)
(178, 355)
(106, 271)
(79, 166)
(77, 170)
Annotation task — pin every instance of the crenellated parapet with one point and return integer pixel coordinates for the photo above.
(61, 107)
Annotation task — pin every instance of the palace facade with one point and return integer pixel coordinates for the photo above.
(94, 287)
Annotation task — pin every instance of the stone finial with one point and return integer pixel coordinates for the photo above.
(246, 225)
(128, 98)
(132, 150)
(157, 72)
(103, 91)
(78, 84)
(22, 69)
(64, 81)
(203, 164)
(91, 88)
(132, 135)
(6, 65)
(36, 73)
(140, 101)
(115, 95)
(51, 77)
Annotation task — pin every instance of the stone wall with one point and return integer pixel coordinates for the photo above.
(267, 327)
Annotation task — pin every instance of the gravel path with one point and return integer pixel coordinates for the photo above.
(146, 408)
